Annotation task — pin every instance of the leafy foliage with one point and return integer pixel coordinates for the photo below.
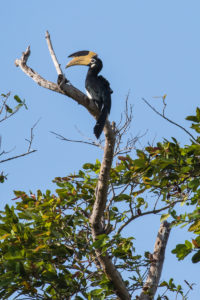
(46, 244)
(47, 250)
(7, 111)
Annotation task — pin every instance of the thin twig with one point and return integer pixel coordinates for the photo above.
(52, 53)
(121, 129)
(170, 121)
(112, 198)
(10, 115)
(59, 136)
(99, 143)
(32, 135)
(190, 288)
(29, 151)
(17, 156)
(156, 202)
(4, 101)
(154, 211)
(6, 152)
(164, 105)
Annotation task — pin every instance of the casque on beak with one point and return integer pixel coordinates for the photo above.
(81, 58)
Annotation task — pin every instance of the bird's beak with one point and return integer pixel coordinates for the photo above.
(81, 58)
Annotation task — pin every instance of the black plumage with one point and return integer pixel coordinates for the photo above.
(97, 87)
(98, 90)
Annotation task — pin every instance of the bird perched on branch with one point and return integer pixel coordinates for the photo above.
(97, 87)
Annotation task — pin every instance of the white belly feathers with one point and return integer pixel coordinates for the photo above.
(88, 94)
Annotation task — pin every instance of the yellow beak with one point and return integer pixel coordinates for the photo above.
(80, 58)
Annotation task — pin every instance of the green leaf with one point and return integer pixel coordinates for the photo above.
(139, 163)
(8, 109)
(122, 197)
(88, 166)
(181, 251)
(196, 257)
(17, 99)
(141, 155)
(188, 245)
(97, 292)
(198, 113)
(196, 127)
(101, 241)
(195, 226)
(194, 184)
(171, 284)
(18, 106)
(164, 283)
(192, 118)
(164, 217)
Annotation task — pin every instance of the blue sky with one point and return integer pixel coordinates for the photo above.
(149, 48)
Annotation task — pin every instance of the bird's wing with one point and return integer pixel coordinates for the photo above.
(105, 93)
(106, 83)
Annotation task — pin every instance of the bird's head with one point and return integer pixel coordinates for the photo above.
(85, 58)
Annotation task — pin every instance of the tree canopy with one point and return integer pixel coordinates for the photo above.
(47, 250)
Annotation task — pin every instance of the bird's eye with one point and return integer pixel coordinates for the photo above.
(93, 61)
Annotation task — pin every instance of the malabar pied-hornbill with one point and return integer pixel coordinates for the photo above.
(97, 87)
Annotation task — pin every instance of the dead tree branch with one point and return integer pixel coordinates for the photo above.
(32, 136)
(97, 217)
(122, 128)
(62, 87)
(167, 119)
(17, 156)
(52, 53)
(62, 138)
(150, 212)
(152, 281)
(29, 151)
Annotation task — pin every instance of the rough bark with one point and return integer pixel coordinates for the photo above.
(153, 278)
(103, 182)
(97, 217)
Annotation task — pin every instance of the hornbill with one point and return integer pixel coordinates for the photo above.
(97, 87)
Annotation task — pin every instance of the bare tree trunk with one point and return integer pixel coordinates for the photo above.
(153, 278)
(97, 217)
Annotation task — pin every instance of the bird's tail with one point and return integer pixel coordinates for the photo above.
(98, 128)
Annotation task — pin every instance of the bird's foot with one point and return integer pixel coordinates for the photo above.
(62, 80)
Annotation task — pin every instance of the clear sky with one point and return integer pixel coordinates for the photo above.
(149, 48)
